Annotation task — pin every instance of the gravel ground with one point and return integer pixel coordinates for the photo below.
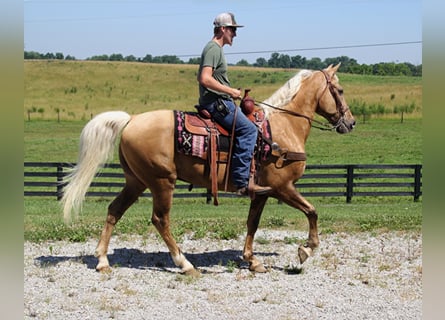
(351, 276)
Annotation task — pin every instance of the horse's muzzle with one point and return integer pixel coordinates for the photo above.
(345, 126)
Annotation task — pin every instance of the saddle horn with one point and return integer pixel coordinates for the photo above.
(247, 104)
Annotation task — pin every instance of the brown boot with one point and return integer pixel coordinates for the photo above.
(255, 189)
(259, 190)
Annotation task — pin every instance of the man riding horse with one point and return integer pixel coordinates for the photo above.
(290, 112)
(216, 96)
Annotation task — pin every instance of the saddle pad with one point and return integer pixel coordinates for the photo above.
(191, 144)
(187, 143)
(197, 145)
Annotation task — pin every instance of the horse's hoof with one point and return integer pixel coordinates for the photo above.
(103, 269)
(257, 268)
(304, 253)
(192, 273)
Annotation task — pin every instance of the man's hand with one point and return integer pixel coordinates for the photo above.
(235, 93)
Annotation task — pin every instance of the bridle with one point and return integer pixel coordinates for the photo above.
(342, 109)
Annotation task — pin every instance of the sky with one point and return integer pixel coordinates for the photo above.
(369, 31)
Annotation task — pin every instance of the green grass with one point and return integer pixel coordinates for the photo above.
(379, 141)
(51, 141)
(376, 141)
(80, 89)
(43, 220)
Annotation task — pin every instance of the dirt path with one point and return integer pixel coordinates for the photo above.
(358, 276)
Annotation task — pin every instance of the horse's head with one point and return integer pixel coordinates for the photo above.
(332, 104)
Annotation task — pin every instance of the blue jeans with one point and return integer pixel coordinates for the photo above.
(244, 142)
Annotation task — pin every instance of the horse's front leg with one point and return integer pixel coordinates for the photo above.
(253, 220)
(306, 250)
(293, 198)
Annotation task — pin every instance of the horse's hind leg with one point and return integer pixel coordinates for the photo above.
(162, 202)
(129, 194)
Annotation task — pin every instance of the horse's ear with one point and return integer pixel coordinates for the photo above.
(333, 69)
(336, 67)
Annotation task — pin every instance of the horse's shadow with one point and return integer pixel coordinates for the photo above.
(137, 259)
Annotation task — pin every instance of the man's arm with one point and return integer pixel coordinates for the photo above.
(206, 79)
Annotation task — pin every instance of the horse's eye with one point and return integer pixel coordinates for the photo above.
(340, 90)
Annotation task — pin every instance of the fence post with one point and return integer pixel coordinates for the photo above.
(349, 183)
(59, 181)
(417, 181)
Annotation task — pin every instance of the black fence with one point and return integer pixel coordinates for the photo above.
(352, 180)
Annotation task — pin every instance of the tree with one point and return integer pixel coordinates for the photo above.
(314, 64)
(276, 60)
(360, 69)
(260, 62)
(378, 109)
(148, 58)
(298, 62)
(32, 55)
(116, 57)
(417, 71)
(359, 108)
(407, 108)
(130, 58)
(402, 69)
(58, 114)
(167, 59)
(279, 61)
(103, 57)
(196, 60)
(49, 56)
(273, 61)
(378, 69)
(243, 63)
(284, 61)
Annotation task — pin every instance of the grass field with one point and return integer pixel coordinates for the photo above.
(77, 90)
(377, 141)
(74, 91)
(43, 219)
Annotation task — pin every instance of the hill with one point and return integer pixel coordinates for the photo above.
(78, 90)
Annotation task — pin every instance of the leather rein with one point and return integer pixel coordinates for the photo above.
(320, 125)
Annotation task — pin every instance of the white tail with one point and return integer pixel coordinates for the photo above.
(96, 147)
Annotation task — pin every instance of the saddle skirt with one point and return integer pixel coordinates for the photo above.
(192, 135)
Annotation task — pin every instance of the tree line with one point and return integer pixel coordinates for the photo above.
(276, 60)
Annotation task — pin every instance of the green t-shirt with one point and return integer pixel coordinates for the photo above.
(213, 56)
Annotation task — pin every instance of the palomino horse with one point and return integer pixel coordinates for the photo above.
(149, 159)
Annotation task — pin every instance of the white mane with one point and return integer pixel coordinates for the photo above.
(284, 94)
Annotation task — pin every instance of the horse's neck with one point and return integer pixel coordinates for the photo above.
(292, 130)
(289, 131)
